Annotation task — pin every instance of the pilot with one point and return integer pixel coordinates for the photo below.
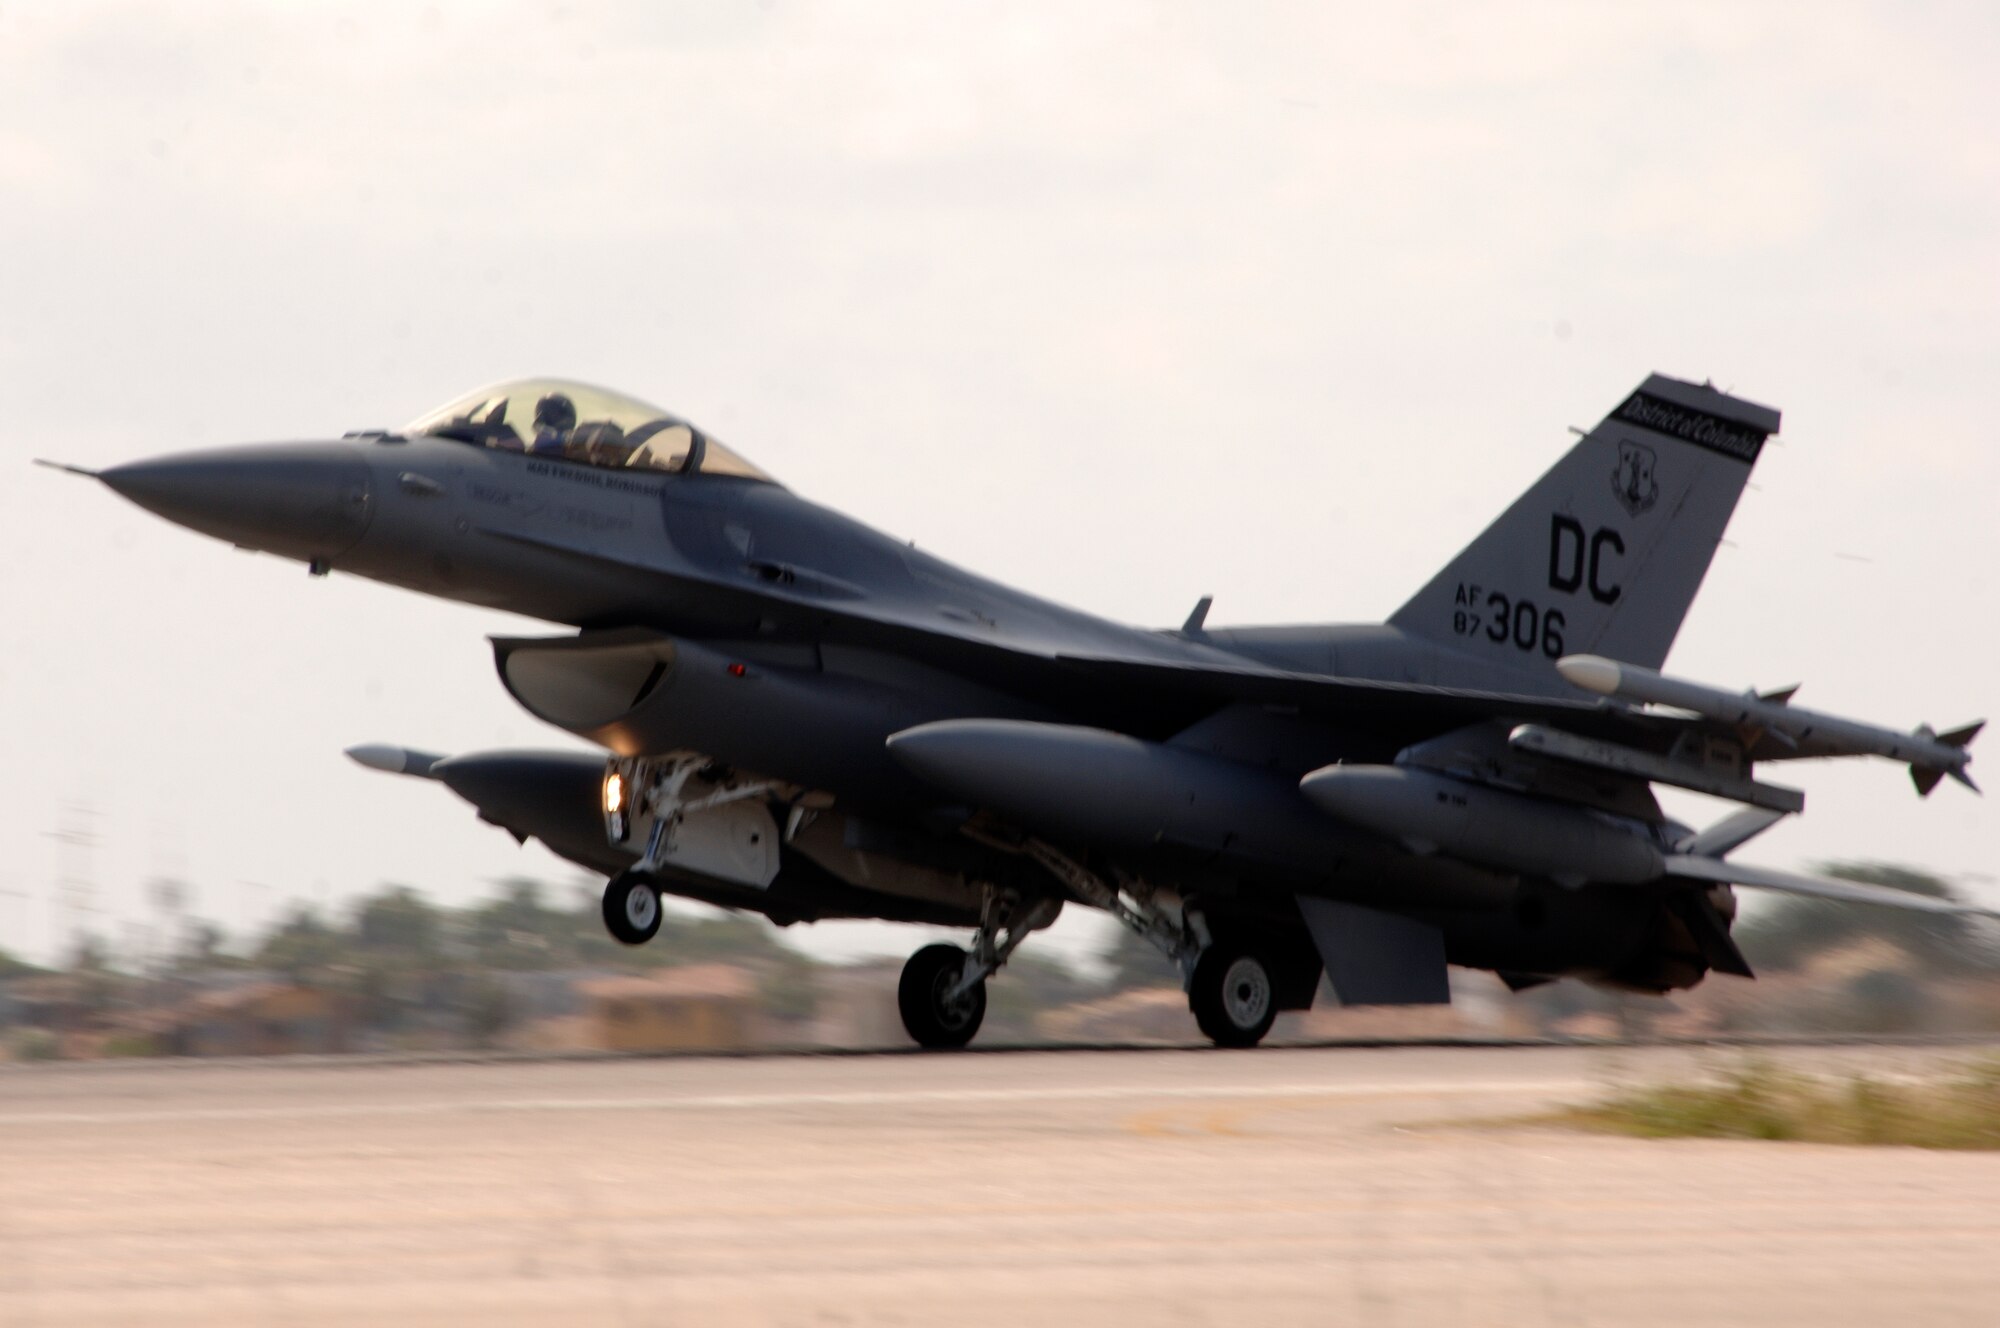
(555, 416)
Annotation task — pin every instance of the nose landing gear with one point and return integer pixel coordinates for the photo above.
(631, 909)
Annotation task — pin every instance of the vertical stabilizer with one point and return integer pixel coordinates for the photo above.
(1605, 552)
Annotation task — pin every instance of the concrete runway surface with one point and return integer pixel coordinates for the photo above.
(1031, 1189)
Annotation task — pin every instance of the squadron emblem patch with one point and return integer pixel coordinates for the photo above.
(1633, 480)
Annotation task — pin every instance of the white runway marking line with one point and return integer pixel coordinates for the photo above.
(754, 1101)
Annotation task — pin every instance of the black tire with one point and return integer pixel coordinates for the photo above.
(920, 997)
(631, 909)
(1233, 995)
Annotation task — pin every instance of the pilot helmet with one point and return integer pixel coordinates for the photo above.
(555, 411)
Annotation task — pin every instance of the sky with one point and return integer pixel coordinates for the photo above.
(1122, 303)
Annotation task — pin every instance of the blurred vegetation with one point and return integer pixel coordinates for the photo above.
(11, 967)
(1758, 1101)
(1132, 962)
(403, 972)
(408, 973)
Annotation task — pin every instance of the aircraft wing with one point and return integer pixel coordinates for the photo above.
(1023, 641)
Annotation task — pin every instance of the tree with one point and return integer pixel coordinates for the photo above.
(516, 931)
(401, 927)
(201, 949)
(12, 966)
(302, 947)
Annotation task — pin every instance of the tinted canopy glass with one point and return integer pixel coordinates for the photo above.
(550, 417)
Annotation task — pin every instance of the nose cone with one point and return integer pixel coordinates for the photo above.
(299, 500)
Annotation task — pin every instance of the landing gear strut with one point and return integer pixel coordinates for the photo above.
(631, 908)
(942, 996)
(1233, 988)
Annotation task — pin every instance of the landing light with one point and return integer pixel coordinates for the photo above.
(615, 824)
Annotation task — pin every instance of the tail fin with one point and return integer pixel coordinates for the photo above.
(1604, 554)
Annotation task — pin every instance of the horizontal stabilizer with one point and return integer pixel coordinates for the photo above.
(1688, 867)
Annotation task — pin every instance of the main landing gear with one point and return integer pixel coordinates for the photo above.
(1233, 996)
(1235, 987)
(942, 995)
(631, 908)
(939, 1009)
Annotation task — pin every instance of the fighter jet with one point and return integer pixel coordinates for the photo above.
(806, 718)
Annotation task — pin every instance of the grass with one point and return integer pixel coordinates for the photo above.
(1759, 1101)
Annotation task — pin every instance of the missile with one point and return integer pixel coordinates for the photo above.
(391, 760)
(1428, 812)
(1930, 755)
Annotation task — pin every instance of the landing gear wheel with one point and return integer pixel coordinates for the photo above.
(930, 1019)
(1232, 996)
(631, 909)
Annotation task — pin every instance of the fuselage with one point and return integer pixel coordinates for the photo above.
(807, 717)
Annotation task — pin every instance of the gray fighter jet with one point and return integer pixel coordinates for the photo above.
(809, 719)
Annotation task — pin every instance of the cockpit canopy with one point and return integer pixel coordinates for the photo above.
(548, 417)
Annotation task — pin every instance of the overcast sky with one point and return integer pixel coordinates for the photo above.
(1121, 303)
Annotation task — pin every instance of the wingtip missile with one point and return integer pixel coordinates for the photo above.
(394, 760)
(1930, 756)
(1593, 673)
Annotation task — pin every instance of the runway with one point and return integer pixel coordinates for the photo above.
(1310, 1186)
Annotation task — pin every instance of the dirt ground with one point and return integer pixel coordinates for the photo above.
(1313, 1186)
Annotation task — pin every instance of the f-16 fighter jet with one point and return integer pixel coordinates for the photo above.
(808, 719)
